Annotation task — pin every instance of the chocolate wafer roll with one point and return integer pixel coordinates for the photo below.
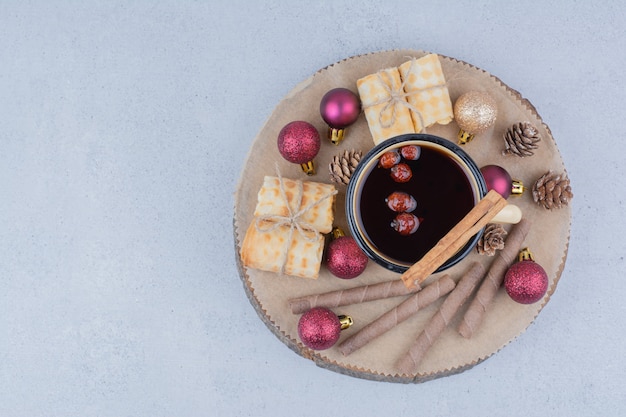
(397, 314)
(408, 364)
(350, 296)
(493, 281)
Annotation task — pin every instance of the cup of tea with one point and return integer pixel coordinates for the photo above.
(406, 194)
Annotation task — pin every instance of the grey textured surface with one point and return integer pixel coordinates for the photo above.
(123, 128)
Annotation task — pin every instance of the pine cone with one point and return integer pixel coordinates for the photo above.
(552, 190)
(491, 240)
(343, 165)
(521, 139)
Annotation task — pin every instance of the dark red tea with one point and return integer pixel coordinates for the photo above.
(444, 196)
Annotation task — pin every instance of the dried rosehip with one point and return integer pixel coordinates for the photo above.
(401, 172)
(400, 201)
(389, 159)
(411, 152)
(405, 223)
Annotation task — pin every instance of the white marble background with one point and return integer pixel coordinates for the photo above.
(123, 129)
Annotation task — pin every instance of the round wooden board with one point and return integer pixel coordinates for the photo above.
(504, 320)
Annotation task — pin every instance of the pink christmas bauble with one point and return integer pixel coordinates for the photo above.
(319, 328)
(526, 282)
(497, 178)
(344, 258)
(340, 108)
(299, 142)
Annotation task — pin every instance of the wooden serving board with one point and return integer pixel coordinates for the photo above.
(504, 320)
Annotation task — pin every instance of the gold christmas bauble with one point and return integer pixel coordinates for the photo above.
(474, 112)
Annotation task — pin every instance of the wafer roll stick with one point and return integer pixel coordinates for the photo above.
(351, 296)
(397, 314)
(408, 364)
(493, 281)
(459, 235)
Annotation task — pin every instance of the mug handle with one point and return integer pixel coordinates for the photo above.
(510, 214)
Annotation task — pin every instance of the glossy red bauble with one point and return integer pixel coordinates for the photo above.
(340, 108)
(497, 178)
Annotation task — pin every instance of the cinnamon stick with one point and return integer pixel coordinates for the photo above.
(351, 296)
(397, 314)
(454, 240)
(408, 363)
(493, 281)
